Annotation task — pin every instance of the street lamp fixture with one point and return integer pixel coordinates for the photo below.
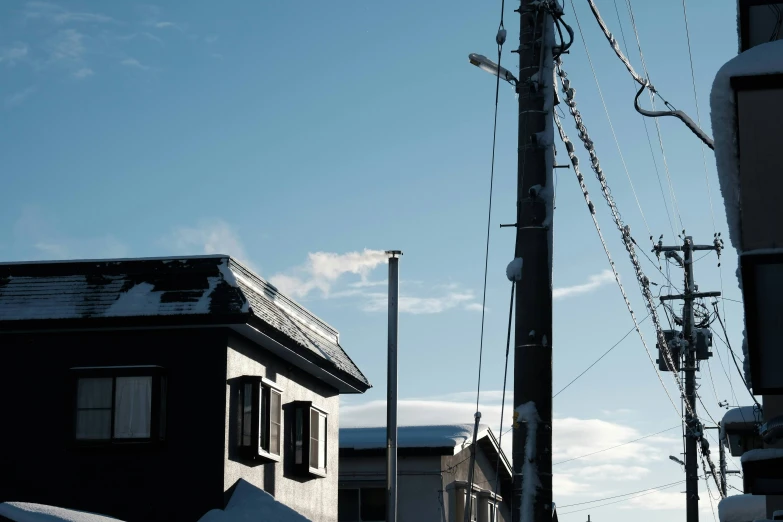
(482, 62)
(675, 459)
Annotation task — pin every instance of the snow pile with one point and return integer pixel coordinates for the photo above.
(761, 454)
(762, 59)
(514, 269)
(249, 503)
(528, 414)
(26, 512)
(455, 436)
(139, 300)
(742, 508)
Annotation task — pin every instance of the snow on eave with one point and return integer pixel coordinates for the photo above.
(455, 436)
(761, 454)
(742, 508)
(763, 59)
(114, 260)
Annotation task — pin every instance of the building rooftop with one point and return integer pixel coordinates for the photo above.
(192, 290)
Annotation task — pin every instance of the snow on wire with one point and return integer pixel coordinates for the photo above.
(628, 241)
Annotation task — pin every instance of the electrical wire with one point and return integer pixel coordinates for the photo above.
(734, 358)
(698, 113)
(615, 345)
(505, 376)
(628, 242)
(618, 446)
(647, 132)
(609, 118)
(647, 492)
(500, 39)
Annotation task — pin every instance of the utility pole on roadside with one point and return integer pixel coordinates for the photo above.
(391, 387)
(532, 494)
(694, 429)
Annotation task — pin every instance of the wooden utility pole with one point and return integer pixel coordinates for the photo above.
(533, 322)
(694, 429)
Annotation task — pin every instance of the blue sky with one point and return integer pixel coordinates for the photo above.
(304, 137)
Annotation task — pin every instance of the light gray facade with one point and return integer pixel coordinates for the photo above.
(316, 497)
(431, 482)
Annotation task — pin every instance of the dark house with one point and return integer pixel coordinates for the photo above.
(144, 389)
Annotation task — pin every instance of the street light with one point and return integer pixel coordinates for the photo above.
(482, 62)
(675, 459)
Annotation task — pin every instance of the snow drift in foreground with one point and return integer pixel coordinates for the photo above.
(26, 512)
(742, 508)
(249, 503)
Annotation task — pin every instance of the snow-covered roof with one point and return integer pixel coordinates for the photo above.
(454, 436)
(762, 59)
(744, 415)
(26, 512)
(194, 289)
(742, 508)
(251, 503)
(761, 454)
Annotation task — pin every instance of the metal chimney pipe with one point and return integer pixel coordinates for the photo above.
(391, 388)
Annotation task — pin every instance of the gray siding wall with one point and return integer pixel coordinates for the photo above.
(457, 467)
(419, 484)
(315, 498)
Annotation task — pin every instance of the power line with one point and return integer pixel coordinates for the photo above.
(628, 242)
(646, 492)
(601, 357)
(698, 114)
(734, 357)
(608, 118)
(615, 447)
(500, 39)
(646, 131)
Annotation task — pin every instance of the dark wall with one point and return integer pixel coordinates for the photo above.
(180, 480)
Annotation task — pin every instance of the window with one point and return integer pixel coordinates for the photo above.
(120, 404)
(461, 500)
(491, 512)
(310, 439)
(361, 505)
(260, 418)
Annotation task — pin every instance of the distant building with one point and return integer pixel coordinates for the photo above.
(433, 463)
(144, 389)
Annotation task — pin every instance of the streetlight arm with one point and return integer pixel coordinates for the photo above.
(484, 63)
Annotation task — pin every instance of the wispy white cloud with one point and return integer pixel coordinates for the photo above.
(323, 275)
(66, 45)
(208, 237)
(18, 97)
(37, 237)
(475, 307)
(422, 305)
(84, 72)
(152, 37)
(163, 25)
(134, 63)
(593, 283)
(614, 472)
(16, 53)
(323, 269)
(59, 15)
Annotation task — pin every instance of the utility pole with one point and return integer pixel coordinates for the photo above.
(533, 322)
(693, 432)
(391, 388)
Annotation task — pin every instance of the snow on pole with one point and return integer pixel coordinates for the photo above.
(514, 270)
(531, 482)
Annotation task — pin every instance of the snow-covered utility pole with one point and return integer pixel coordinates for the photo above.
(694, 429)
(532, 440)
(391, 388)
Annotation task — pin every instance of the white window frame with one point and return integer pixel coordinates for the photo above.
(256, 420)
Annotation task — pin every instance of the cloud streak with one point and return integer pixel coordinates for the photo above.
(18, 97)
(135, 64)
(16, 53)
(593, 283)
(208, 237)
(56, 14)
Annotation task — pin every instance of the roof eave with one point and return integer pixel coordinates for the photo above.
(340, 380)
